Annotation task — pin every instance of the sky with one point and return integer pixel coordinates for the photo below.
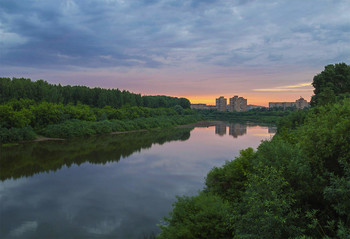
(199, 49)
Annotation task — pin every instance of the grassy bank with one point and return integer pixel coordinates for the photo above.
(79, 128)
(24, 119)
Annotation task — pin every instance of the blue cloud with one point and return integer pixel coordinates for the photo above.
(158, 33)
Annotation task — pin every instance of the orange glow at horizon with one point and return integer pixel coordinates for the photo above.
(253, 99)
(212, 100)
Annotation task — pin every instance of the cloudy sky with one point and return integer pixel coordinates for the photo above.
(261, 50)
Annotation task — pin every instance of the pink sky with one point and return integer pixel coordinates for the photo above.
(259, 86)
(261, 50)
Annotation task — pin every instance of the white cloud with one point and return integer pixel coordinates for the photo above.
(10, 39)
(24, 228)
(295, 88)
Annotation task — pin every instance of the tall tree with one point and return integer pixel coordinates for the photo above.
(332, 82)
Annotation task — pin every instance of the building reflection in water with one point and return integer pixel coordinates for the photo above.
(220, 128)
(235, 129)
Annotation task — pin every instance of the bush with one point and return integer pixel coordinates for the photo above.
(16, 134)
(202, 216)
(229, 181)
(78, 128)
(70, 128)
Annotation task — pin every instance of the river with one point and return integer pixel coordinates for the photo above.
(111, 186)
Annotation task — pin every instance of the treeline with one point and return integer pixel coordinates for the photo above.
(23, 119)
(256, 115)
(18, 88)
(296, 185)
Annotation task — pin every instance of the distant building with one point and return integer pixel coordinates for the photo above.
(302, 103)
(221, 103)
(198, 106)
(251, 107)
(298, 104)
(283, 105)
(203, 107)
(211, 107)
(238, 104)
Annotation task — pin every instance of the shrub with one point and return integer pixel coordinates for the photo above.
(202, 216)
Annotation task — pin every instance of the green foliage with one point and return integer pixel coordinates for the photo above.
(161, 101)
(261, 116)
(49, 118)
(18, 119)
(78, 128)
(266, 210)
(331, 83)
(338, 193)
(290, 122)
(325, 137)
(229, 181)
(202, 216)
(289, 159)
(46, 113)
(16, 134)
(79, 111)
(179, 109)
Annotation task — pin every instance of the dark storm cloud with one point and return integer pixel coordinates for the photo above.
(157, 33)
(66, 34)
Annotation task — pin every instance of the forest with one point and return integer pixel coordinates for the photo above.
(296, 185)
(29, 109)
(22, 88)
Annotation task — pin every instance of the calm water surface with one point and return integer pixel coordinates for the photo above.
(114, 186)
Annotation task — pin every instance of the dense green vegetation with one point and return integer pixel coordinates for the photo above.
(263, 115)
(23, 119)
(30, 108)
(331, 85)
(25, 160)
(296, 185)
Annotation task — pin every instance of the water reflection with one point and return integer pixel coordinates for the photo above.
(220, 129)
(31, 158)
(117, 186)
(235, 129)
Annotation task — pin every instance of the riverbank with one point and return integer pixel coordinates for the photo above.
(254, 116)
(203, 123)
(79, 128)
(200, 123)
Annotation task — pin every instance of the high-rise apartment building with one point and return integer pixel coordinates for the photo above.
(301, 103)
(238, 104)
(221, 103)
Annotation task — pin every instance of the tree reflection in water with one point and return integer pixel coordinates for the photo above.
(31, 158)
